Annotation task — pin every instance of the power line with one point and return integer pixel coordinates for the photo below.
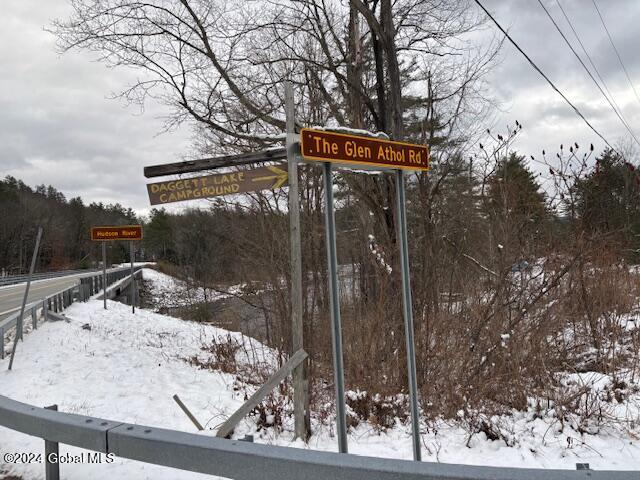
(537, 69)
(588, 56)
(624, 122)
(615, 49)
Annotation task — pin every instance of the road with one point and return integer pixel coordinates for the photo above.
(11, 296)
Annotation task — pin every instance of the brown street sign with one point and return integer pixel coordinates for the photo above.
(352, 149)
(116, 232)
(264, 178)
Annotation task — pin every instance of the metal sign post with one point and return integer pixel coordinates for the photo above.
(367, 153)
(133, 281)
(316, 145)
(408, 311)
(104, 273)
(24, 298)
(104, 234)
(334, 301)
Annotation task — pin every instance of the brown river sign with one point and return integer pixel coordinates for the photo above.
(116, 232)
(366, 151)
(264, 178)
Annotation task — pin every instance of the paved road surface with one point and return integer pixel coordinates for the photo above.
(11, 296)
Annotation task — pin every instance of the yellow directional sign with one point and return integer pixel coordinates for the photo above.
(280, 176)
(264, 178)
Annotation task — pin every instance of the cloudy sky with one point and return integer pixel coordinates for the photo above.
(58, 125)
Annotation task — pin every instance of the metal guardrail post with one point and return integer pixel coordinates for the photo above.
(34, 317)
(2, 344)
(52, 470)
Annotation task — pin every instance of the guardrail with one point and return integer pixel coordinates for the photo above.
(238, 459)
(13, 279)
(57, 302)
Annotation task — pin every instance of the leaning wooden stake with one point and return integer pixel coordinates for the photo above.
(188, 413)
(24, 298)
(227, 427)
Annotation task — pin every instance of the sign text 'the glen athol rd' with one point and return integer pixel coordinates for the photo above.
(356, 150)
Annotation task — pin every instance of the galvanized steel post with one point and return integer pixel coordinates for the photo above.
(51, 451)
(133, 281)
(334, 297)
(104, 273)
(408, 311)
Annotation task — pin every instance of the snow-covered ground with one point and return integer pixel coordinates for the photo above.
(125, 367)
(169, 292)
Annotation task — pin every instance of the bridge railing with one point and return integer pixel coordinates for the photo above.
(238, 459)
(53, 304)
(13, 279)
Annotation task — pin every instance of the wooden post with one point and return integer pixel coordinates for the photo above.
(34, 257)
(300, 381)
(227, 427)
(188, 413)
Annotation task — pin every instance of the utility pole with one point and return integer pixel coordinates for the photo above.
(300, 373)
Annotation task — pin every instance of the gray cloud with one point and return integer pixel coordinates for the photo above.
(548, 120)
(58, 127)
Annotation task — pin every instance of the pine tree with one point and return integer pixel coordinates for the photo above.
(608, 199)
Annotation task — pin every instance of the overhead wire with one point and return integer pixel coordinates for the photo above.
(618, 114)
(591, 62)
(548, 80)
(615, 50)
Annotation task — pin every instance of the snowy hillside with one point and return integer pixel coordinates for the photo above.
(120, 366)
(169, 292)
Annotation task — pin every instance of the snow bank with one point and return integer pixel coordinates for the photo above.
(125, 367)
(169, 292)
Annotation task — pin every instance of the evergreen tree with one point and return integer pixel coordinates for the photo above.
(158, 236)
(515, 203)
(608, 199)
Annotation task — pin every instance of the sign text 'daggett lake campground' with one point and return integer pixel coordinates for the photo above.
(357, 150)
(194, 188)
